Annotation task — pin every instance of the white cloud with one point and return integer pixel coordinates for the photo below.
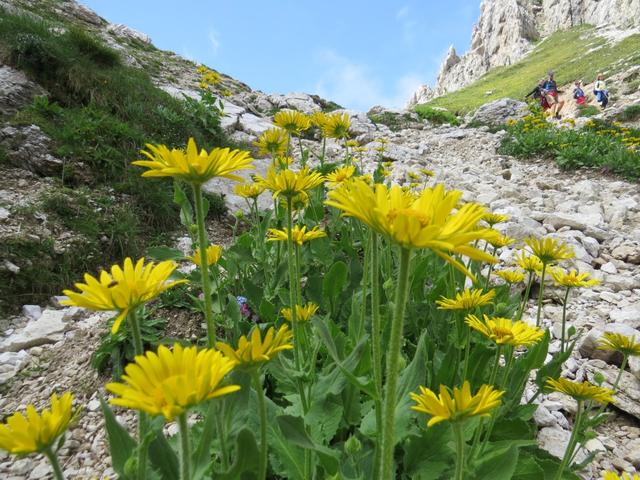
(407, 26)
(215, 41)
(403, 12)
(356, 86)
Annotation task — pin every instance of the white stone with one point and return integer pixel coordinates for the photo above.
(609, 267)
(32, 312)
(628, 315)
(11, 363)
(49, 328)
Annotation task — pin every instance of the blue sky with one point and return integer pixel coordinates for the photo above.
(357, 53)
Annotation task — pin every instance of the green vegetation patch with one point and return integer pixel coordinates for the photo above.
(573, 54)
(395, 121)
(630, 114)
(436, 116)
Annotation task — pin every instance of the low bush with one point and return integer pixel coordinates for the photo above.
(436, 116)
(630, 114)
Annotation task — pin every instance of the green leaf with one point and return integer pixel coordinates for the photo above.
(527, 468)
(497, 466)
(267, 311)
(202, 454)
(334, 282)
(121, 444)
(186, 211)
(164, 253)
(246, 456)
(294, 431)
(162, 457)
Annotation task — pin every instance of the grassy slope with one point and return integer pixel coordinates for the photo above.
(572, 54)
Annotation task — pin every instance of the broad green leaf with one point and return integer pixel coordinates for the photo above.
(202, 455)
(121, 444)
(497, 466)
(334, 283)
(164, 253)
(163, 458)
(247, 454)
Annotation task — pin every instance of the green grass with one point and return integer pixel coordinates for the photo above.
(568, 53)
(99, 114)
(588, 110)
(394, 121)
(436, 116)
(630, 114)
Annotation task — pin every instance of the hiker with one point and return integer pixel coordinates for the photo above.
(550, 91)
(538, 94)
(578, 93)
(600, 91)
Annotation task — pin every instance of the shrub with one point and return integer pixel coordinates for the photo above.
(630, 114)
(588, 110)
(392, 120)
(436, 116)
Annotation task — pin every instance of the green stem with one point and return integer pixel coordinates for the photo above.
(623, 365)
(203, 243)
(324, 150)
(526, 297)
(503, 382)
(467, 348)
(55, 464)
(142, 417)
(222, 433)
(262, 406)
(564, 318)
(375, 338)
(457, 430)
(541, 294)
(365, 287)
(393, 360)
(573, 440)
(185, 450)
(302, 161)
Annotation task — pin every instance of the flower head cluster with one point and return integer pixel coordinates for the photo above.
(468, 299)
(214, 252)
(504, 331)
(581, 390)
(502, 241)
(529, 263)
(248, 190)
(618, 342)
(273, 142)
(549, 250)
(255, 351)
(511, 276)
(193, 166)
(20, 434)
(208, 77)
(456, 405)
(340, 175)
(168, 382)
(299, 235)
(125, 289)
(336, 125)
(289, 183)
(431, 219)
(292, 121)
(573, 279)
(303, 312)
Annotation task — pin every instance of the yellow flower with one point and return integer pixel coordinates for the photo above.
(426, 220)
(124, 289)
(466, 300)
(413, 176)
(504, 331)
(495, 218)
(625, 476)
(339, 175)
(352, 144)
(273, 142)
(300, 235)
(289, 183)
(511, 276)
(581, 390)
(292, 121)
(303, 313)
(248, 190)
(191, 166)
(457, 405)
(214, 252)
(383, 140)
(501, 241)
(573, 279)
(170, 381)
(620, 343)
(254, 352)
(427, 173)
(337, 125)
(529, 263)
(318, 119)
(549, 250)
(20, 434)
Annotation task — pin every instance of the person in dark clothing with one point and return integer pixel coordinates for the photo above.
(550, 91)
(538, 94)
(578, 93)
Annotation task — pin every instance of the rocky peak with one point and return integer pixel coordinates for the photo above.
(507, 30)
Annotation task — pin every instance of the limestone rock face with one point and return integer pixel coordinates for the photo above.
(500, 111)
(508, 29)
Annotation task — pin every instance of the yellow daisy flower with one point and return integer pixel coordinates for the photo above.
(529, 263)
(303, 313)
(549, 250)
(255, 352)
(318, 119)
(193, 166)
(502, 241)
(169, 382)
(573, 279)
(124, 289)
(337, 125)
(292, 121)
(618, 342)
(340, 175)
(34, 432)
(273, 142)
(511, 276)
(456, 405)
(289, 183)
(466, 300)
(504, 331)
(426, 220)
(625, 476)
(300, 235)
(248, 190)
(214, 252)
(581, 390)
(495, 218)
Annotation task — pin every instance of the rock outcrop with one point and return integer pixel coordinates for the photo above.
(508, 29)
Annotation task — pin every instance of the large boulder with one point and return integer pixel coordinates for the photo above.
(28, 147)
(500, 111)
(16, 90)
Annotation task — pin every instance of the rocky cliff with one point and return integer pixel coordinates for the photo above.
(508, 29)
